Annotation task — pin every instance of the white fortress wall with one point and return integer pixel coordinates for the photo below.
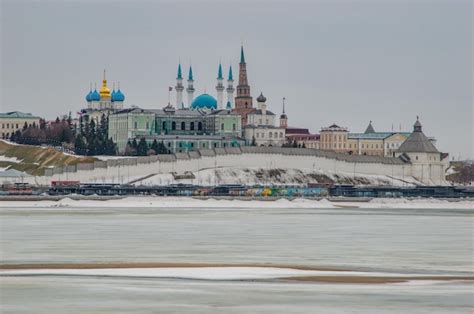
(128, 169)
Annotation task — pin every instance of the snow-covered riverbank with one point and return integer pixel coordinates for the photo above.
(190, 203)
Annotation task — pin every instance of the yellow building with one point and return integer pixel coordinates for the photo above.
(10, 122)
(334, 138)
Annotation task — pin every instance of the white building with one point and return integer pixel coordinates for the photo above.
(261, 129)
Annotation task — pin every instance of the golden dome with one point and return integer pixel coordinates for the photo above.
(104, 90)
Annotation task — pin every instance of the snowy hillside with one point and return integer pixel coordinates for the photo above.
(253, 176)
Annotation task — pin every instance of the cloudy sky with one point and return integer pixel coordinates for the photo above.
(346, 62)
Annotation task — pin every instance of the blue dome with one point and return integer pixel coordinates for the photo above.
(112, 95)
(204, 101)
(95, 96)
(118, 96)
(89, 96)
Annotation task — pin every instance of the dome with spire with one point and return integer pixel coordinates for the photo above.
(204, 101)
(118, 96)
(95, 96)
(261, 98)
(89, 96)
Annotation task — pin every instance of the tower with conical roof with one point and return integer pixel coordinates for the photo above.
(230, 89)
(220, 88)
(428, 164)
(179, 88)
(190, 88)
(243, 100)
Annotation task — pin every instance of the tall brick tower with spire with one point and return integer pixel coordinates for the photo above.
(243, 100)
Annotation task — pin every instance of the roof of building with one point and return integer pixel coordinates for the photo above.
(222, 112)
(193, 137)
(252, 126)
(242, 57)
(261, 98)
(13, 173)
(301, 131)
(374, 135)
(417, 142)
(259, 111)
(190, 74)
(18, 115)
(370, 128)
(95, 96)
(118, 96)
(204, 101)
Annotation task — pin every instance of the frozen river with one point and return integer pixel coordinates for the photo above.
(385, 241)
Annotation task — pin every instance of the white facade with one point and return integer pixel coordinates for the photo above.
(264, 135)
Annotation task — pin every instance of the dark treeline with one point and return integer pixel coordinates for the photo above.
(141, 148)
(92, 138)
(87, 138)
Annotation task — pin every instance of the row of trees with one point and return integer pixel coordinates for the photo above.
(92, 138)
(58, 133)
(87, 138)
(141, 148)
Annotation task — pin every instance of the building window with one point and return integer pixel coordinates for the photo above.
(233, 127)
(258, 135)
(276, 134)
(281, 134)
(215, 145)
(191, 126)
(135, 125)
(222, 126)
(200, 126)
(164, 125)
(173, 125)
(270, 135)
(147, 125)
(169, 144)
(183, 126)
(416, 157)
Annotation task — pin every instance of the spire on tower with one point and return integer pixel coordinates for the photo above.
(230, 78)
(242, 57)
(219, 72)
(190, 74)
(179, 77)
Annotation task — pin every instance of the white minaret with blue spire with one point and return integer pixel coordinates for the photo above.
(179, 89)
(230, 89)
(220, 88)
(190, 89)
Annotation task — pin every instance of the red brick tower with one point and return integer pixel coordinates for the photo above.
(243, 100)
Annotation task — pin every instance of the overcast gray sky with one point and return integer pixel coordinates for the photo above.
(346, 62)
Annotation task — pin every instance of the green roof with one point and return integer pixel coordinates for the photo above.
(17, 115)
(375, 135)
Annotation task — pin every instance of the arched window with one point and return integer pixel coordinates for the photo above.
(183, 126)
(173, 125)
(164, 125)
(200, 126)
(222, 126)
(270, 134)
(191, 126)
(233, 127)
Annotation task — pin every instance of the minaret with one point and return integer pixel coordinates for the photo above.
(190, 89)
(179, 89)
(243, 99)
(220, 88)
(230, 89)
(283, 117)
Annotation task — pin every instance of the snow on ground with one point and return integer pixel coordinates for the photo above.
(10, 159)
(217, 204)
(105, 158)
(203, 273)
(253, 176)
